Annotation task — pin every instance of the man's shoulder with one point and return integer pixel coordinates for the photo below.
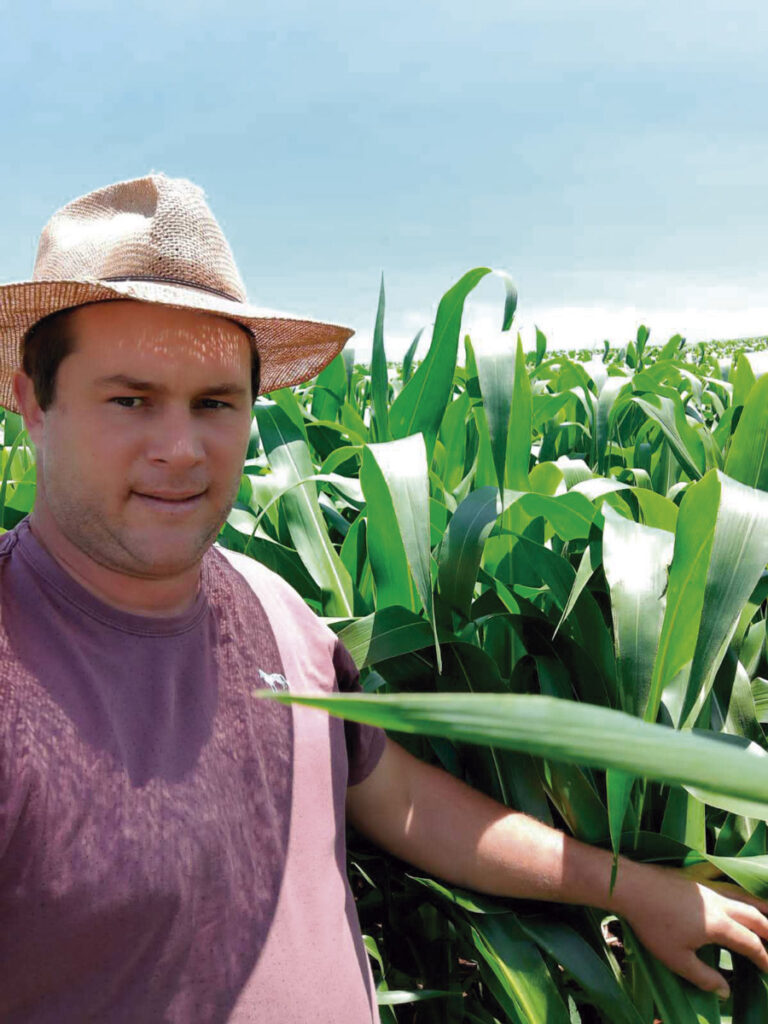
(262, 580)
(307, 646)
(276, 595)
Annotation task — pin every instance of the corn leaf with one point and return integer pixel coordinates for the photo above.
(379, 381)
(668, 413)
(400, 467)
(635, 561)
(568, 731)
(748, 455)
(738, 559)
(519, 968)
(420, 406)
(506, 393)
(288, 455)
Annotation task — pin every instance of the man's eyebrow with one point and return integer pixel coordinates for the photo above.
(225, 389)
(123, 380)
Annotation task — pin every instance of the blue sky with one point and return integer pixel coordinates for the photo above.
(612, 157)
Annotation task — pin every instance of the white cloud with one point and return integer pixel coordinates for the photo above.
(586, 326)
(589, 326)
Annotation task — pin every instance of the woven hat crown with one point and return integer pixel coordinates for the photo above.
(153, 228)
(153, 239)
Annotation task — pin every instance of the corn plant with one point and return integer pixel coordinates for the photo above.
(550, 570)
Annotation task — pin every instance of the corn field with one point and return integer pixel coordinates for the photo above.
(551, 572)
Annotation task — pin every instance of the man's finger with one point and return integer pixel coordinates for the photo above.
(735, 892)
(751, 918)
(740, 939)
(701, 975)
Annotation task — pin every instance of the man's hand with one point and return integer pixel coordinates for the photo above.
(434, 821)
(674, 914)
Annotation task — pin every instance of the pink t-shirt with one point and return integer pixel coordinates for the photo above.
(171, 848)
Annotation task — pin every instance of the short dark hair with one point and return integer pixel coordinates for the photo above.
(51, 339)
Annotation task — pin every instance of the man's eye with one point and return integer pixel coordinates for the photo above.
(127, 401)
(213, 403)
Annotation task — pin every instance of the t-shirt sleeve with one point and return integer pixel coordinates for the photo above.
(365, 743)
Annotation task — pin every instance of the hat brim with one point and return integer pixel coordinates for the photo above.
(291, 349)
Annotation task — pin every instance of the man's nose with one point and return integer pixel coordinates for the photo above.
(175, 439)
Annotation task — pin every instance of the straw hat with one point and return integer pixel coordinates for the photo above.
(153, 239)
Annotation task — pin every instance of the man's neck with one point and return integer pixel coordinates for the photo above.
(156, 598)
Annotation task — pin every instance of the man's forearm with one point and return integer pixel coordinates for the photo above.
(466, 838)
(437, 823)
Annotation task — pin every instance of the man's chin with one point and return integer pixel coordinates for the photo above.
(163, 557)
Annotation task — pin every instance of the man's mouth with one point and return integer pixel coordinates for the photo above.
(171, 499)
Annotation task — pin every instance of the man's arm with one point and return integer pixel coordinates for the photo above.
(435, 822)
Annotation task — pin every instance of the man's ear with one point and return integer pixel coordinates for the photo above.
(34, 417)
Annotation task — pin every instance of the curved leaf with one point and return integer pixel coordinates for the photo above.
(402, 466)
(385, 634)
(289, 456)
(748, 455)
(506, 392)
(570, 515)
(668, 413)
(420, 406)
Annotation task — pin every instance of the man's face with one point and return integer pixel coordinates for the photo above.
(140, 453)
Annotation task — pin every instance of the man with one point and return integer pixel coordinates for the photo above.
(172, 849)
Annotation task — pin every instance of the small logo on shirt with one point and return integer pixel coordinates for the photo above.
(274, 680)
